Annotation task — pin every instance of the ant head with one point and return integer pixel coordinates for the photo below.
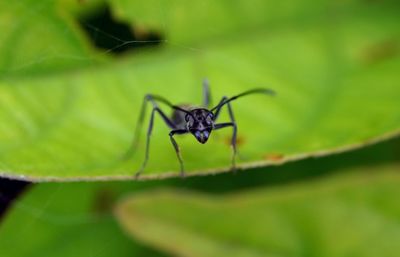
(200, 123)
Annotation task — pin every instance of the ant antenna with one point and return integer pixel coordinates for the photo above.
(253, 91)
(165, 101)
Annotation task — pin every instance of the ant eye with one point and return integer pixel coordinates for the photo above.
(187, 117)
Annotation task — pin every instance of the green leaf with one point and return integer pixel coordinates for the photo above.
(354, 213)
(67, 220)
(334, 68)
(37, 39)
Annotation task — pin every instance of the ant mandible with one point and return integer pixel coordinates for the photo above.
(199, 121)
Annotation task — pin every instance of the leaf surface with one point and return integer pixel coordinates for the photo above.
(70, 114)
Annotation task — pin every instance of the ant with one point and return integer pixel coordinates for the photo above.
(199, 121)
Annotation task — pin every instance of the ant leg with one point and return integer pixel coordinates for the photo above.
(233, 141)
(218, 110)
(206, 94)
(149, 130)
(178, 152)
(148, 98)
(233, 124)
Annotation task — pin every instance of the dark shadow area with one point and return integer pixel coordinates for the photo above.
(114, 36)
(383, 153)
(9, 191)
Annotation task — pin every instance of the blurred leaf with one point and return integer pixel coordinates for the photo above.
(67, 220)
(36, 39)
(334, 67)
(352, 214)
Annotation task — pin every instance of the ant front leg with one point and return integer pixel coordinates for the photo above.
(148, 98)
(233, 141)
(228, 124)
(176, 147)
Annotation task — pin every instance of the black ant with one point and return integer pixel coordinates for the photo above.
(199, 121)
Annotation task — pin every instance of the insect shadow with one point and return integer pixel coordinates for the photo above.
(199, 121)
